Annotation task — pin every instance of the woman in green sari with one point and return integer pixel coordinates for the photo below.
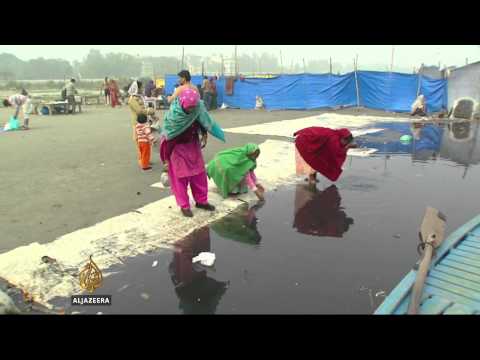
(232, 171)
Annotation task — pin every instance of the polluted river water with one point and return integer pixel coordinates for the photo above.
(331, 249)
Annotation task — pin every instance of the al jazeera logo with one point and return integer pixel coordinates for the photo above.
(91, 279)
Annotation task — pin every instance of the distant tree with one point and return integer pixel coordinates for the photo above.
(94, 65)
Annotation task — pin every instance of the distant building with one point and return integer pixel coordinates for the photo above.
(463, 82)
(432, 72)
(147, 69)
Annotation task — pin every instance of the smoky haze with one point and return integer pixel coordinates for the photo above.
(44, 61)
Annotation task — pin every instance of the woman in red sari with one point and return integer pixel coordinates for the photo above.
(322, 150)
(114, 92)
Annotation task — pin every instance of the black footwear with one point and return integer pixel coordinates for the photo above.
(187, 212)
(206, 206)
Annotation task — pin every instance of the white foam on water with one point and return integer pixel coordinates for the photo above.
(287, 128)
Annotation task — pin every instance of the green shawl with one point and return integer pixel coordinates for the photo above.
(229, 167)
(176, 121)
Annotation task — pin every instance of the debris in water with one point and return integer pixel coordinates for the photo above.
(380, 293)
(145, 296)
(48, 259)
(123, 288)
(155, 263)
(205, 258)
(138, 192)
(99, 313)
(396, 236)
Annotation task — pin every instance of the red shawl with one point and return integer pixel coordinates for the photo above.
(321, 149)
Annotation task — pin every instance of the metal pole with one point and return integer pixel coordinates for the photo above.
(393, 53)
(330, 65)
(223, 66)
(281, 63)
(304, 67)
(183, 56)
(419, 80)
(356, 81)
(236, 62)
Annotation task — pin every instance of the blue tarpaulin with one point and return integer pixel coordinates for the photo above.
(387, 91)
(435, 92)
(377, 90)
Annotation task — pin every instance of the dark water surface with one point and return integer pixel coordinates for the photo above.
(332, 250)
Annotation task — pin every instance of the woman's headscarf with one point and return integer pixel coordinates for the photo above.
(188, 98)
(229, 167)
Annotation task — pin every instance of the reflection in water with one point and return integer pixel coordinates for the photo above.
(427, 142)
(240, 226)
(198, 293)
(460, 142)
(319, 213)
(450, 140)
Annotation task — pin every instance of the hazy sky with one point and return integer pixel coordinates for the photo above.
(405, 55)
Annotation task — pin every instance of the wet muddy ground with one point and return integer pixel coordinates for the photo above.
(336, 249)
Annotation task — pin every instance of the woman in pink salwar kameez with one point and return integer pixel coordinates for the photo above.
(183, 158)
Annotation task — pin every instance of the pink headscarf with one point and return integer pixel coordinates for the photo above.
(188, 98)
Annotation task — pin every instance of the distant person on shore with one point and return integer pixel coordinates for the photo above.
(106, 91)
(114, 92)
(203, 87)
(149, 88)
(213, 88)
(419, 107)
(232, 171)
(323, 150)
(22, 102)
(144, 139)
(208, 93)
(71, 91)
(185, 83)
